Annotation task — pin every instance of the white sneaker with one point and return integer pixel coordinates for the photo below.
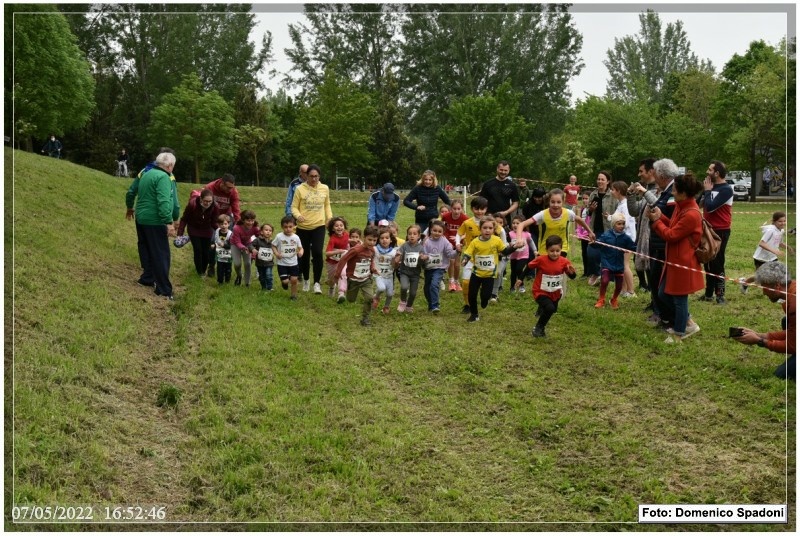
(317, 288)
(306, 285)
(442, 286)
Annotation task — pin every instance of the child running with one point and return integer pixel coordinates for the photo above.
(548, 283)
(500, 220)
(483, 252)
(338, 244)
(452, 222)
(244, 232)
(468, 231)
(612, 261)
(437, 252)
(519, 259)
(769, 247)
(409, 259)
(264, 256)
(221, 242)
(359, 264)
(287, 248)
(384, 259)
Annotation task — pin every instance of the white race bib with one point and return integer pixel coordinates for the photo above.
(434, 260)
(362, 269)
(411, 260)
(288, 249)
(551, 283)
(223, 255)
(384, 265)
(484, 263)
(336, 257)
(265, 254)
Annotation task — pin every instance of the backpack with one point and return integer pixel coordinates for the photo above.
(709, 245)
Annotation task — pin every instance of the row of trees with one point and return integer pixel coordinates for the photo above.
(385, 91)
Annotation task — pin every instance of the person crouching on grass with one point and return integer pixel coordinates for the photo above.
(612, 260)
(547, 286)
(358, 263)
(484, 252)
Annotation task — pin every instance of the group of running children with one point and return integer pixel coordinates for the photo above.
(356, 259)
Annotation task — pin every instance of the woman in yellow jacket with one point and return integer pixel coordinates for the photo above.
(311, 207)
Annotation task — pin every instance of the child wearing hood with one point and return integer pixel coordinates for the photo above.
(612, 259)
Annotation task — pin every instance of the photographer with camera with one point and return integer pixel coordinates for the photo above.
(776, 284)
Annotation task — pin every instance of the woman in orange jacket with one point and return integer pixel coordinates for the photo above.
(682, 234)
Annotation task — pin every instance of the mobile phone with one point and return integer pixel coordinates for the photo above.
(735, 332)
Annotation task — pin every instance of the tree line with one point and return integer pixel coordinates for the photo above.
(385, 91)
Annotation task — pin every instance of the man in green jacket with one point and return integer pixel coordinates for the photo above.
(154, 224)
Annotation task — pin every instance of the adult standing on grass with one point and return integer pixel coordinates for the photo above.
(681, 276)
(52, 147)
(572, 192)
(665, 173)
(717, 203)
(637, 206)
(200, 216)
(311, 207)
(501, 192)
(383, 205)
(302, 174)
(601, 206)
(424, 198)
(154, 223)
(226, 198)
(777, 283)
(130, 197)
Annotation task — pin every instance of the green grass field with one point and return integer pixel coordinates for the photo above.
(233, 405)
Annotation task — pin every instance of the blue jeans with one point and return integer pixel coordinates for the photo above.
(265, 277)
(676, 307)
(431, 287)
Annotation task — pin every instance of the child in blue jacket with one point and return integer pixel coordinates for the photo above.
(612, 260)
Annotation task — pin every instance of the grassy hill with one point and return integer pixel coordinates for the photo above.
(235, 405)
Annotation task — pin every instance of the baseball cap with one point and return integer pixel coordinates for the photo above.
(388, 188)
(383, 223)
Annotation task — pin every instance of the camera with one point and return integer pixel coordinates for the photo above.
(735, 332)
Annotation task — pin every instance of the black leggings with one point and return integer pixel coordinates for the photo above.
(312, 241)
(202, 253)
(485, 285)
(518, 267)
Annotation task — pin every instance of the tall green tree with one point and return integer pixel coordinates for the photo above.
(574, 161)
(616, 134)
(390, 144)
(753, 105)
(335, 130)
(452, 51)
(49, 83)
(197, 123)
(358, 40)
(640, 65)
(482, 130)
(143, 50)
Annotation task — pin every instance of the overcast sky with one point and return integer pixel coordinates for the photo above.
(716, 32)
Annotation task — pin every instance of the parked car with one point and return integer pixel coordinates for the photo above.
(740, 177)
(740, 191)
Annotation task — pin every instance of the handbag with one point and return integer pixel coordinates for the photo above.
(709, 245)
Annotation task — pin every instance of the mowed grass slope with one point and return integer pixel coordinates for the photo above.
(293, 412)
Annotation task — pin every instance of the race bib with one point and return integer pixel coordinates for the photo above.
(435, 260)
(411, 260)
(551, 283)
(336, 257)
(484, 263)
(288, 249)
(223, 255)
(362, 269)
(265, 254)
(384, 265)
